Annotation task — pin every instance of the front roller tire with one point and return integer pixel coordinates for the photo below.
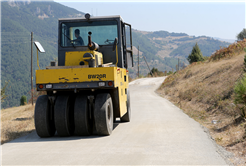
(82, 118)
(103, 114)
(64, 116)
(44, 123)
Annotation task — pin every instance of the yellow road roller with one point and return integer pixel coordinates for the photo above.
(88, 88)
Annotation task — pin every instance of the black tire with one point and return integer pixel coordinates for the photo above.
(64, 116)
(127, 116)
(103, 114)
(44, 123)
(82, 116)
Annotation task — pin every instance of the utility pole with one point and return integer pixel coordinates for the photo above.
(31, 67)
(138, 61)
(148, 66)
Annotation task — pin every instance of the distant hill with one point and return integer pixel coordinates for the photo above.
(226, 40)
(20, 18)
(162, 49)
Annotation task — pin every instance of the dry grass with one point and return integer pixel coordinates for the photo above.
(229, 51)
(205, 92)
(16, 122)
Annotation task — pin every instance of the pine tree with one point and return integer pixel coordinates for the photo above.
(196, 55)
(242, 35)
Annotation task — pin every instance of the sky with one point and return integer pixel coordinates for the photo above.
(222, 19)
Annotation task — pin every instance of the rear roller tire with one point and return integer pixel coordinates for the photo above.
(127, 116)
(82, 118)
(103, 114)
(44, 123)
(64, 116)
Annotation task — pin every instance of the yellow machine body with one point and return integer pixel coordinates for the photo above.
(75, 57)
(66, 76)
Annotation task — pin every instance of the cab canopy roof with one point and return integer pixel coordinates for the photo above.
(92, 18)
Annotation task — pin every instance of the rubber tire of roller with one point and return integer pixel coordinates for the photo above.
(64, 116)
(44, 125)
(103, 114)
(82, 120)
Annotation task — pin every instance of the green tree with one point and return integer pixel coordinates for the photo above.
(23, 100)
(196, 55)
(242, 35)
(3, 95)
(244, 63)
(156, 72)
(240, 95)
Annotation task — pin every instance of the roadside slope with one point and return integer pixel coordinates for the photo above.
(205, 91)
(16, 122)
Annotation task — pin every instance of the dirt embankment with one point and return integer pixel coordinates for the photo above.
(16, 122)
(205, 91)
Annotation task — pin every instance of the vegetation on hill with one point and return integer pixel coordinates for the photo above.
(209, 92)
(156, 73)
(162, 49)
(240, 92)
(164, 34)
(207, 46)
(3, 93)
(229, 51)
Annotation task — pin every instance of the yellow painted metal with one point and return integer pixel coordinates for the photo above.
(71, 75)
(75, 57)
(122, 79)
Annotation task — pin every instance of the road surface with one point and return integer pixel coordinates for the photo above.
(159, 134)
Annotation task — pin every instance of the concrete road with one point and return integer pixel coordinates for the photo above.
(159, 134)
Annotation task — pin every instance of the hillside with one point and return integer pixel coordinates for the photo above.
(162, 49)
(205, 91)
(19, 18)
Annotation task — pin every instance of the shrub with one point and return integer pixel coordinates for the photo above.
(23, 100)
(3, 90)
(244, 67)
(155, 72)
(240, 95)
